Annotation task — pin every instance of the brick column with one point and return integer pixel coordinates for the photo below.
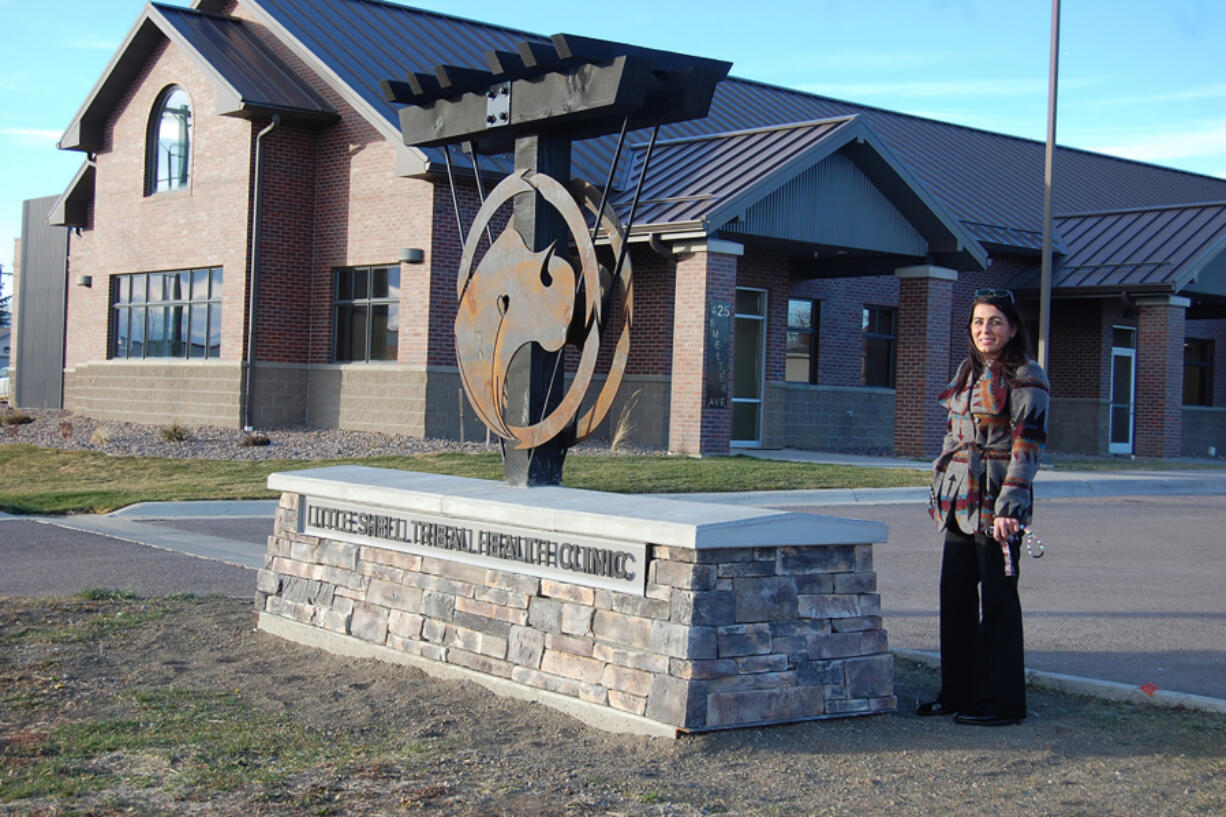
(706, 277)
(925, 303)
(1159, 411)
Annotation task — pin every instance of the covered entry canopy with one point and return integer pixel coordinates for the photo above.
(1178, 249)
(828, 190)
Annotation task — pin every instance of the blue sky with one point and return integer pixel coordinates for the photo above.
(1142, 79)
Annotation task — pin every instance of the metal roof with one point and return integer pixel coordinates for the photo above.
(705, 182)
(250, 80)
(71, 209)
(1161, 249)
(992, 181)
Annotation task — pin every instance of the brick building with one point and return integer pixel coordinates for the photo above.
(251, 243)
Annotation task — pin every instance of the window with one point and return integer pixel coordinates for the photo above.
(169, 143)
(879, 325)
(167, 314)
(367, 313)
(802, 343)
(1197, 372)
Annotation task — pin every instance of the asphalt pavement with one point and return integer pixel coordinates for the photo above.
(1127, 599)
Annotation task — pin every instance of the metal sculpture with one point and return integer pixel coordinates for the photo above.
(529, 295)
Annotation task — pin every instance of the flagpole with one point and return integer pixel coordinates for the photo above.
(1045, 274)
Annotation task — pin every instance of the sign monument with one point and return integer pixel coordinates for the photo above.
(633, 613)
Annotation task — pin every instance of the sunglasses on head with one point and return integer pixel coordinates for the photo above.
(994, 293)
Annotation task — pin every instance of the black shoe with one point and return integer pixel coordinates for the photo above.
(931, 708)
(974, 719)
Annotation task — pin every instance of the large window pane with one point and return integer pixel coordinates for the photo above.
(155, 332)
(214, 330)
(799, 361)
(1197, 372)
(800, 365)
(367, 313)
(750, 302)
(170, 146)
(136, 331)
(176, 331)
(200, 285)
(173, 314)
(199, 330)
(877, 364)
(351, 332)
(384, 333)
(747, 359)
(121, 331)
(745, 419)
(800, 314)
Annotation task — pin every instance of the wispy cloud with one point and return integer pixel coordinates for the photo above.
(927, 89)
(90, 44)
(1205, 140)
(1181, 95)
(14, 81)
(33, 136)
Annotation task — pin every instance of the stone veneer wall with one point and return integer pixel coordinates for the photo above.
(723, 638)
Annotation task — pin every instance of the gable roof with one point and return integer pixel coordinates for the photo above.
(249, 79)
(990, 181)
(706, 182)
(1151, 249)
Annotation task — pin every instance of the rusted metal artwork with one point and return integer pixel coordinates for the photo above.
(516, 296)
(539, 287)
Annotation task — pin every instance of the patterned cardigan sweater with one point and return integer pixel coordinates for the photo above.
(995, 431)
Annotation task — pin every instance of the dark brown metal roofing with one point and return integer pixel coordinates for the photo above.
(690, 179)
(989, 180)
(250, 80)
(254, 79)
(1156, 249)
(703, 182)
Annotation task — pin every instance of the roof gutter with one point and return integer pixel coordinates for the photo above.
(253, 276)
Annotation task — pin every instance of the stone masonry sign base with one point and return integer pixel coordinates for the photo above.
(634, 614)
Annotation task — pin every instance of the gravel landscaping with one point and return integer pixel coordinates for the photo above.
(74, 432)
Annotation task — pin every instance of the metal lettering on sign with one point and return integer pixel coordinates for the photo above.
(607, 564)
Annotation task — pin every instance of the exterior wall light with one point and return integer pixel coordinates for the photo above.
(411, 255)
(85, 280)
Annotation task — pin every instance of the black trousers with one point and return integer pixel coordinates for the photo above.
(982, 664)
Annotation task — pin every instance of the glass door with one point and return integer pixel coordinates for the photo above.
(748, 366)
(1123, 389)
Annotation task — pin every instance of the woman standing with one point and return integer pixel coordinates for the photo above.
(981, 497)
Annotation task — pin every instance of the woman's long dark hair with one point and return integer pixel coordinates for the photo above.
(1013, 354)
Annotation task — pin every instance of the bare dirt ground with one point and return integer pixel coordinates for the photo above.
(178, 706)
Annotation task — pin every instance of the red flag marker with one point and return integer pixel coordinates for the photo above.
(1150, 688)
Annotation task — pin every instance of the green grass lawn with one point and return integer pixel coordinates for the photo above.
(52, 481)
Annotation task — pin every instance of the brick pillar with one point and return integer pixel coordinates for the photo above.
(1160, 335)
(925, 303)
(705, 290)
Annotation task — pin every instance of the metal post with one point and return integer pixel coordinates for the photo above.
(1045, 273)
(532, 391)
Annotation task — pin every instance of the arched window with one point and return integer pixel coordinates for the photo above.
(170, 142)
